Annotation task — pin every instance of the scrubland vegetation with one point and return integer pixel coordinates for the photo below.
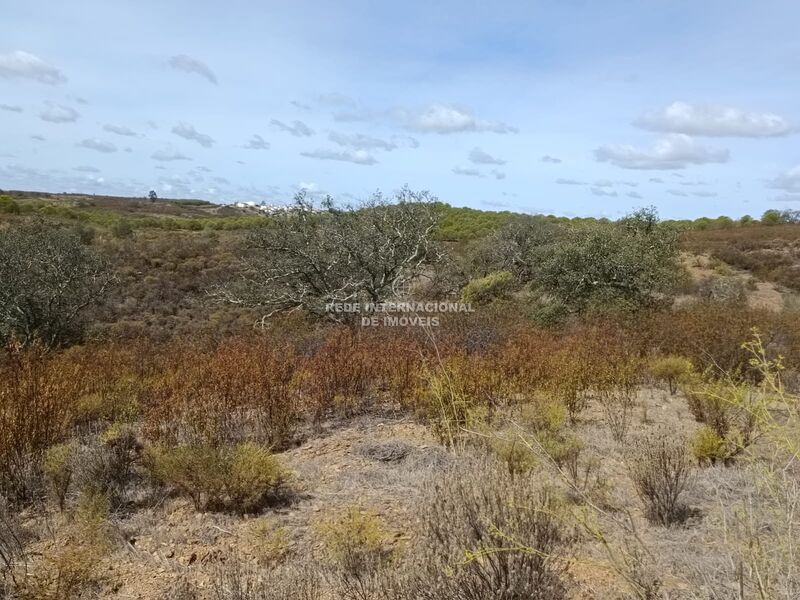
(180, 417)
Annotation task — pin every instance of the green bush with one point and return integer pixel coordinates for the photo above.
(122, 229)
(8, 205)
(707, 446)
(237, 479)
(57, 470)
(672, 370)
(484, 290)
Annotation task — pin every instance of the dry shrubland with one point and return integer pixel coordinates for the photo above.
(610, 445)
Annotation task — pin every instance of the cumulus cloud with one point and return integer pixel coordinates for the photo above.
(634, 195)
(359, 157)
(498, 174)
(788, 181)
(58, 113)
(603, 183)
(11, 108)
(479, 157)
(168, 155)
(550, 159)
(119, 130)
(673, 151)
(448, 118)
(604, 192)
(680, 193)
(297, 128)
(187, 64)
(256, 142)
(713, 120)
(562, 181)
(97, 145)
(23, 65)
(467, 171)
(188, 132)
(361, 142)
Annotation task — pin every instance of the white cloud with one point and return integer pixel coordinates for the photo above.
(86, 169)
(498, 174)
(562, 181)
(604, 192)
(297, 128)
(168, 155)
(680, 193)
(788, 181)
(634, 195)
(23, 65)
(119, 130)
(256, 142)
(360, 141)
(712, 120)
(11, 108)
(656, 180)
(705, 194)
(58, 113)
(467, 171)
(359, 157)
(39, 138)
(479, 157)
(97, 145)
(187, 64)
(603, 183)
(448, 118)
(188, 132)
(550, 159)
(787, 198)
(673, 151)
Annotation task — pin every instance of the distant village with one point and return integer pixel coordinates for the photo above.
(268, 209)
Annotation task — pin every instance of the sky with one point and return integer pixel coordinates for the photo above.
(568, 107)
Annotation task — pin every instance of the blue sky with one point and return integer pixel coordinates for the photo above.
(571, 107)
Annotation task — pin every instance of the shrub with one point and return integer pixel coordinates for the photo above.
(490, 533)
(49, 280)
(448, 402)
(707, 446)
(513, 453)
(122, 229)
(732, 410)
(672, 370)
(659, 466)
(57, 469)
(243, 390)
(70, 566)
(8, 205)
(356, 541)
(237, 479)
(484, 290)
(38, 392)
(103, 465)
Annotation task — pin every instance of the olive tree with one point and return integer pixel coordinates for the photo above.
(310, 257)
(627, 264)
(48, 279)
